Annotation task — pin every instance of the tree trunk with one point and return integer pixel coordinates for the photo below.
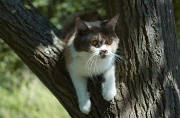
(150, 79)
(148, 82)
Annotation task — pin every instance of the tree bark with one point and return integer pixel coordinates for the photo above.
(148, 82)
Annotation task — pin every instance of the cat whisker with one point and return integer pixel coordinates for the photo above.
(88, 65)
(91, 68)
(119, 58)
(96, 66)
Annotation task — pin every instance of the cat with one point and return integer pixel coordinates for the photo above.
(90, 51)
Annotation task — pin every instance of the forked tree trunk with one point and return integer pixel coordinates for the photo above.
(148, 81)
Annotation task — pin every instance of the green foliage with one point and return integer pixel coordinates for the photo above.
(10, 66)
(29, 100)
(57, 10)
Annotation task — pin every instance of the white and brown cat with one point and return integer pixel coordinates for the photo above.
(90, 51)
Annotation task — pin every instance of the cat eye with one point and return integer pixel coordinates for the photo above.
(109, 41)
(94, 42)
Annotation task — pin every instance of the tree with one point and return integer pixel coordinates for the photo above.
(148, 82)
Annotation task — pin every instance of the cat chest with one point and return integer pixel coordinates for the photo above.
(86, 67)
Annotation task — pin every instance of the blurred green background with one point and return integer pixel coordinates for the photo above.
(22, 95)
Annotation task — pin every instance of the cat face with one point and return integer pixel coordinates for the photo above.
(96, 38)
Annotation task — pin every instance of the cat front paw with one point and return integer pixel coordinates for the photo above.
(109, 94)
(85, 107)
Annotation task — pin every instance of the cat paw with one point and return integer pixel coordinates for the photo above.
(85, 107)
(109, 94)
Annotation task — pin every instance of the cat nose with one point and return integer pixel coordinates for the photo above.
(104, 51)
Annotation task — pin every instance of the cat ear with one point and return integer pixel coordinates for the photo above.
(111, 23)
(80, 25)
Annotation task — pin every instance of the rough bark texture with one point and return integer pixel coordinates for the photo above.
(148, 82)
